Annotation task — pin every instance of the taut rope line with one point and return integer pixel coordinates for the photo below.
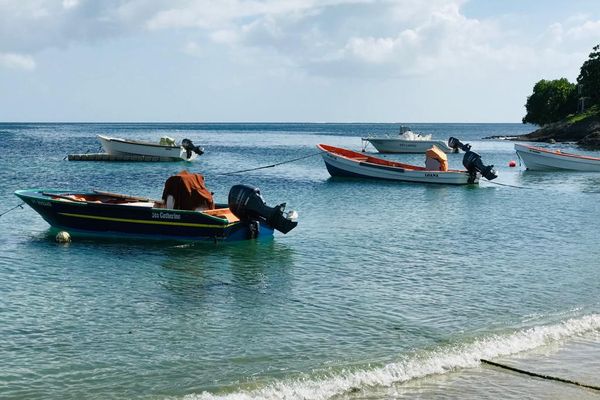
(534, 374)
(270, 166)
(14, 208)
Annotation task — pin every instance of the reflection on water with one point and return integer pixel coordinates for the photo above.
(571, 181)
(259, 266)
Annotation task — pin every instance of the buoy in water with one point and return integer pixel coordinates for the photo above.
(63, 237)
(512, 163)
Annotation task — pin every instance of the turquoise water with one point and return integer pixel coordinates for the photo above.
(383, 290)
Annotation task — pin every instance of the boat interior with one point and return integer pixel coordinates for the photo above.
(221, 210)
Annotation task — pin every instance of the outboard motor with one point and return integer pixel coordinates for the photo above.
(246, 203)
(472, 161)
(188, 145)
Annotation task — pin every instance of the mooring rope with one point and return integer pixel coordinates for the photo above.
(270, 166)
(534, 374)
(14, 208)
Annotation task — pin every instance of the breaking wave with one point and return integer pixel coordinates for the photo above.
(437, 361)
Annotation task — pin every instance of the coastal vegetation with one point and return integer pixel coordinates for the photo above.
(567, 111)
(551, 101)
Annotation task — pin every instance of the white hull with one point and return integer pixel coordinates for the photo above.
(391, 145)
(538, 159)
(346, 167)
(122, 147)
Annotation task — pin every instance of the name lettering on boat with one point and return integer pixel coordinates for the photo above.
(42, 203)
(430, 174)
(165, 215)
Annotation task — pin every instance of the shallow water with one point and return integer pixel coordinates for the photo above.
(383, 290)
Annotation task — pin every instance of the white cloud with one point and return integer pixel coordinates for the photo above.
(192, 49)
(34, 25)
(225, 36)
(17, 61)
(583, 31)
(385, 38)
(217, 14)
(70, 3)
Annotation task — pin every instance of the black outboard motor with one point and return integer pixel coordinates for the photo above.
(247, 204)
(189, 147)
(472, 161)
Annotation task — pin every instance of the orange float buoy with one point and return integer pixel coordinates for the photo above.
(512, 163)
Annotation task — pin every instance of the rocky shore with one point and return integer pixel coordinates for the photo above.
(585, 132)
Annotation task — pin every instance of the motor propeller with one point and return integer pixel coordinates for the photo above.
(472, 161)
(188, 145)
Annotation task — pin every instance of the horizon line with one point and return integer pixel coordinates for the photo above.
(253, 122)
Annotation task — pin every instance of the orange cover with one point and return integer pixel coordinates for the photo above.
(437, 154)
(188, 191)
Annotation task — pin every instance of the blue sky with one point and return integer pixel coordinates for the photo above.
(286, 60)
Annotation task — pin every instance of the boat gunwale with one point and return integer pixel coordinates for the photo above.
(377, 138)
(559, 154)
(39, 194)
(385, 163)
(381, 140)
(137, 142)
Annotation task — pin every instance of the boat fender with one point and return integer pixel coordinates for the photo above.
(63, 237)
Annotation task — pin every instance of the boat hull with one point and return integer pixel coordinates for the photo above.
(120, 220)
(391, 145)
(538, 159)
(340, 166)
(121, 147)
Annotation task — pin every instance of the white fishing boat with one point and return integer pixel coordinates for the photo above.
(539, 159)
(407, 141)
(346, 163)
(165, 150)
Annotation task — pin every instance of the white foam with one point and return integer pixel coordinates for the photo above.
(437, 361)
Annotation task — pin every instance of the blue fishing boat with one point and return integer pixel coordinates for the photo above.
(180, 215)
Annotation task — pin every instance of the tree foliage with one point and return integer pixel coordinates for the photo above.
(551, 101)
(589, 77)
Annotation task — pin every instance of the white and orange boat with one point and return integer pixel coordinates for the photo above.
(346, 163)
(539, 159)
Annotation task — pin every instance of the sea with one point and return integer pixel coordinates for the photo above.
(384, 290)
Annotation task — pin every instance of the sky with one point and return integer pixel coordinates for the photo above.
(285, 60)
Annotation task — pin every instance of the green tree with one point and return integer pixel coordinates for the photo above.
(551, 101)
(589, 77)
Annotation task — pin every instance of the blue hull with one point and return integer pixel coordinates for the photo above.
(118, 220)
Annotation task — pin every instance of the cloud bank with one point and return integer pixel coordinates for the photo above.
(330, 38)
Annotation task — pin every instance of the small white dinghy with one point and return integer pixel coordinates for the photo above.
(539, 159)
(166, 149)
(406, 142)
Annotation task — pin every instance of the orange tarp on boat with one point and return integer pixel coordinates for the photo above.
(436, 159)
(189, 192)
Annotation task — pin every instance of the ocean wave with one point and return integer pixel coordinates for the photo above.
(437, 361)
